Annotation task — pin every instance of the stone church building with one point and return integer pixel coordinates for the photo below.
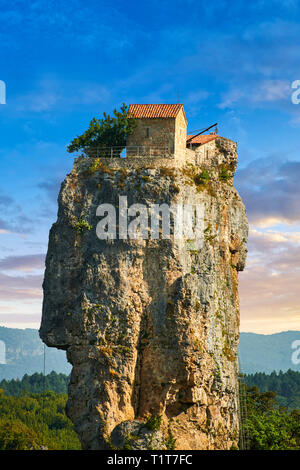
(162, 130)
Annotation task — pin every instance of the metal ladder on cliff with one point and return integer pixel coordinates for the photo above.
(244, 440)
(243, 414)
(44, 379)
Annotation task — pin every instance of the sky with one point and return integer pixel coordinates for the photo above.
(231, 62)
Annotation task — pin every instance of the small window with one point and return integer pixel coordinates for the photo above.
(147, 131)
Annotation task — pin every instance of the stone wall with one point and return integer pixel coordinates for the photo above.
(216, 152)
(155, 133)
(180, 135)
(212, 154)
(158, 133)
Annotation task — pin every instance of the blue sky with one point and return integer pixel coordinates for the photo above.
(231, 62)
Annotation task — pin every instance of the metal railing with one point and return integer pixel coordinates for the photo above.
(128, 151)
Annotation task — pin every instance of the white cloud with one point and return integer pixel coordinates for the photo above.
(269, 286)
(54, 94)
(271, 90)
(256, 93)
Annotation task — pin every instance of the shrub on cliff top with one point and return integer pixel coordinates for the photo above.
(109, 131)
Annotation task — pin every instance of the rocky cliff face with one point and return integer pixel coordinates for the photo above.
(151, 327)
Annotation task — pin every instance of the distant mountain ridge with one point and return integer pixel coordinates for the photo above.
(24, 353)
(268, 353)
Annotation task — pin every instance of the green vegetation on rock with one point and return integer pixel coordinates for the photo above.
(109, 131)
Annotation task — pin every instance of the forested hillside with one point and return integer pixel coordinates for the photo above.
(265, 425)
(36, 383)
(286, 384)
(36, 421)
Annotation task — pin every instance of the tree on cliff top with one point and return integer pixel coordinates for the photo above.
(109, 131)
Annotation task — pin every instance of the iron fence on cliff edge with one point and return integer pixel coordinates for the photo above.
(128, 151)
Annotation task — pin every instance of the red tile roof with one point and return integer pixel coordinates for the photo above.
(201, 139)
(140, 111)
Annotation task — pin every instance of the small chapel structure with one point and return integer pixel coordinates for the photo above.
(162, 127)
(162, 130)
